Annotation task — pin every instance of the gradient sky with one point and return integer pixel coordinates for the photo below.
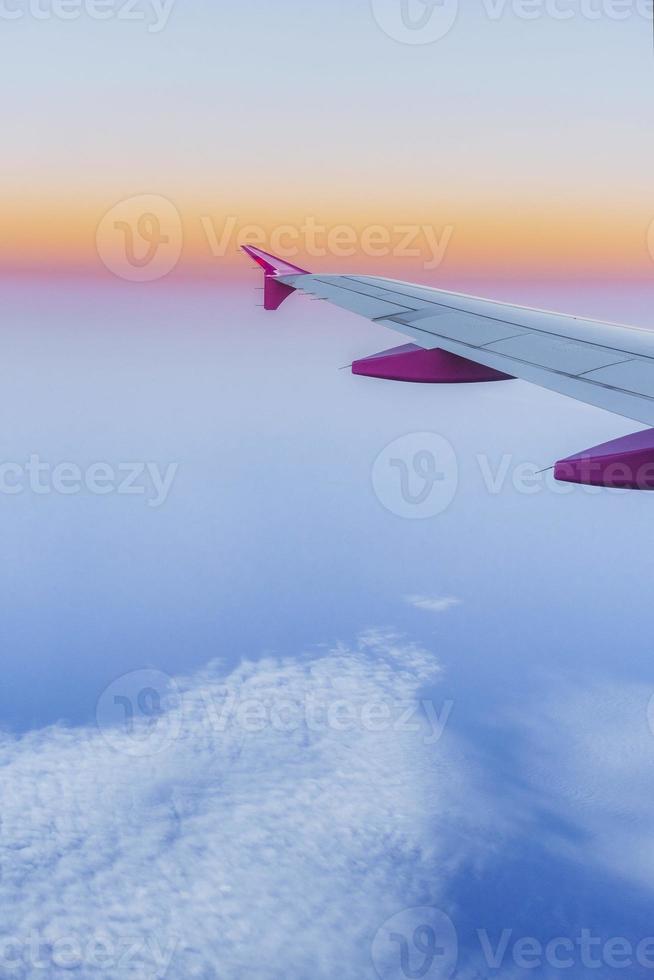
(531, 137)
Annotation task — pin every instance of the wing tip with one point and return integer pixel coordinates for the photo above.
(272, 264)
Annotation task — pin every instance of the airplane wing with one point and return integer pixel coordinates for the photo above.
(459, 338)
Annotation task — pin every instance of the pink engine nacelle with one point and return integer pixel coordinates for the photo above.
(413, 363)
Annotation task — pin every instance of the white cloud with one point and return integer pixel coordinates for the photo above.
(434, 604)
(233, 852)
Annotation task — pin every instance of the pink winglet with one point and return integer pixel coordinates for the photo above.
(412, 363)
(626, 463)
(274, 292)
(271, 264)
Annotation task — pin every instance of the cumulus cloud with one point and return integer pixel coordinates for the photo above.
(434, 604)
(298, 805)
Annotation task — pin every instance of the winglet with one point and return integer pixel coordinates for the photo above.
(274, 292)
(271, 264)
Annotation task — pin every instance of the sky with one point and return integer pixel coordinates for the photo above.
(525, 130)
(260, 713)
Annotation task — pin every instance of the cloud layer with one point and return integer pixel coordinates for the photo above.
(434, 604)
(253, 843)
(277, 816)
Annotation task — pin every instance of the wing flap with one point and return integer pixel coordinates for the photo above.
(636, 376)
(558, 353)
(475, 330)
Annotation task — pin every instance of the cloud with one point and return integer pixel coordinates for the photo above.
(434, 604)
(268, 838)
(295, 808)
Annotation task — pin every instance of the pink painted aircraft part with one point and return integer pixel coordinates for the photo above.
(412, 363)
(626, 463)
(270, 264)
(623, 354)
(274, 292)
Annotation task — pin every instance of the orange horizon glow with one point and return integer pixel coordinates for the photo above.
(465, 241)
